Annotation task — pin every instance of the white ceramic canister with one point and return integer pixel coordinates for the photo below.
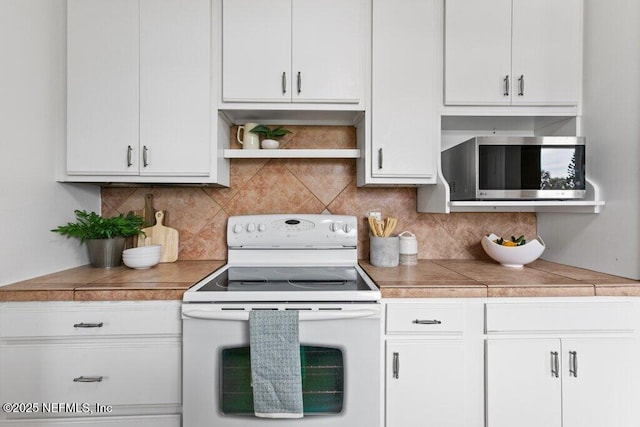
(408, 248)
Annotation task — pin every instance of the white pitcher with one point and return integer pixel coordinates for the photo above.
(250, 140)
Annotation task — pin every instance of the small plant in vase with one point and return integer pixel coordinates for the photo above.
(270, 135)
(105, 237)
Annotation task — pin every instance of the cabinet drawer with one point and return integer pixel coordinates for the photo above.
(130, 373)
(141, 421)
(424, 318)
(80, 319)
(560, 317)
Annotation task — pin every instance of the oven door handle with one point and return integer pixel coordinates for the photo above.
(303, 316)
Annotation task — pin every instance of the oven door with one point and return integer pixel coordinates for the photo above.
(340, 348)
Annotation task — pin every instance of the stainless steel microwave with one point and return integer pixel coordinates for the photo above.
(516, 168)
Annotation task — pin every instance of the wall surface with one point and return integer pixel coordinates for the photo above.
(260, 186)
(32, 123)
(610, 241)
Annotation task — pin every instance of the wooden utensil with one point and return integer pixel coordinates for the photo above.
(161, 235)
(389, 226)
(372, 226)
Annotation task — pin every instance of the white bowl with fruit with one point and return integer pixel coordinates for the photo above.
(513, 252)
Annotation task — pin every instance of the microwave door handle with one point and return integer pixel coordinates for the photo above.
(303, 316)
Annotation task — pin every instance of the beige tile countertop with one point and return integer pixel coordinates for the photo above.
(484, 278)
(427, 279)
(166, 281)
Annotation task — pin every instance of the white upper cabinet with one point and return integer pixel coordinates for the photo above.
(175, 96)
(139, 91)
(102, 87)
(403, 145)
(546, 52)
(256, 53)
(513, 52)
(285, 51)
(477, 52)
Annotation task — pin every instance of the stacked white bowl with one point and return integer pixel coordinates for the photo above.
(142, 257)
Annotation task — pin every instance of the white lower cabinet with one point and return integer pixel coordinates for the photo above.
(578, 373)
(433, 363)
(91, 363)
(424, 380)
(550, 382)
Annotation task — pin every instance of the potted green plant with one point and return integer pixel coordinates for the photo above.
(270, 135)
(105, 237)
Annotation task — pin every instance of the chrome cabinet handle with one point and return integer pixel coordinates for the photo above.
(284, 82)
(396, 365)
(427, 322)
(88, 325)
(379, 158)
(555, 369)
(87, 380)
(145, 156)
(573, 364)
(506, 85)
(129, 152)
(299, 83)
(521, 85)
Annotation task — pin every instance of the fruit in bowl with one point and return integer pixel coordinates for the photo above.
(513, 252)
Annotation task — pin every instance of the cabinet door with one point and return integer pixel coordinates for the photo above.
(546, 52)
(477, 52)
(597, 376)
(522, 387)
(175, 91)
(404, 129)
(102, 87)
(327, 51)
(425, 383)
(256, 51)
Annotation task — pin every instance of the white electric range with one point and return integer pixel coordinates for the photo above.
(306, 263)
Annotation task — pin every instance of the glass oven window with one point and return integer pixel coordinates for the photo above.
(322, 380)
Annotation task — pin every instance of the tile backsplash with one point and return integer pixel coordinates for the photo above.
(260, 186)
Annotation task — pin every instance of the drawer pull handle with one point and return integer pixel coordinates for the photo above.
(396, 365)
(573, 364)
(87, 380)
(88, 325)
(427, 322)
(555, 365)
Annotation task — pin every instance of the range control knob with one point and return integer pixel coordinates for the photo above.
(237, 228)
(334, 226)
(251, 227)
(262, 227)
(347, 228)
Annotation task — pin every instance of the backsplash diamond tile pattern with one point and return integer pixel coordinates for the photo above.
(260, 186)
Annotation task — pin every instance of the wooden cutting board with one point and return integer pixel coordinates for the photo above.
(161, 235)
